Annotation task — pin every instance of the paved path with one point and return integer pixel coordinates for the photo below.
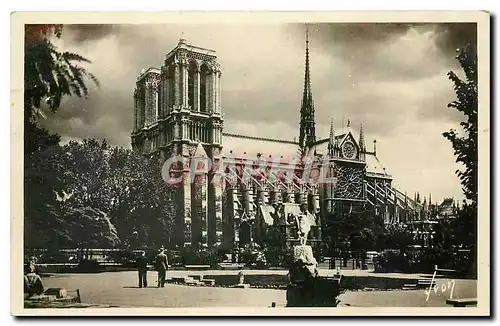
(120, 288)
(410, 298)
(322, 272)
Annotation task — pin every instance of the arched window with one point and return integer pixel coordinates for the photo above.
(170, 89)
(203, 88)
(191, 83)
(157, 104)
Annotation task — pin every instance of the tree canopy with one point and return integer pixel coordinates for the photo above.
(83, 193)
(465, 146)
(101, 196)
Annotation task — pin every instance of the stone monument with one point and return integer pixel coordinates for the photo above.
(241, 281)
(306, 287)
(304, 266)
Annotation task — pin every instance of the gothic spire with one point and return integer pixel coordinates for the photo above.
(307, 124)
(331, 142)
(332, 132)
(362, 138)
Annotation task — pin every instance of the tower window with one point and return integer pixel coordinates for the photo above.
(203, 88)
(191, 82)
(170, 89)
(157, 105)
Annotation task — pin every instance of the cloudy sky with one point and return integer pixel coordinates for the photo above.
(390, 77)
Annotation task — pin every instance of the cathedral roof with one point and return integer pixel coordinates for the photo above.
(374, 166)
(241, 146)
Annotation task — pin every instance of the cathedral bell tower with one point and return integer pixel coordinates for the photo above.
(190, 99)
(177, 112)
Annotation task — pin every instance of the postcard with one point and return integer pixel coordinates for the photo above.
(250, 163)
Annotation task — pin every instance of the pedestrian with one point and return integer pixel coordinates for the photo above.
(142, 268)
(161, 267)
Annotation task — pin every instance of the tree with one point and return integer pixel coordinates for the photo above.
(90, 194)
(396, 236)
(465, 147)
(49, 74)
(122, 184)
(44, 226)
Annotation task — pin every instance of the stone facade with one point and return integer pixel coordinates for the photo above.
(177, 112)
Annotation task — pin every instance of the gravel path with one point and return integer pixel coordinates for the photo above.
(120, 288)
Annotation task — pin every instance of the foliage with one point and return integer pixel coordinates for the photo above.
(275, 253)
(89, 176)
(355, 228)
(396, 236)
(465, 147)
(89, 266)
(464, 227)
(43, 184)
(190, 256)
(253, 255)
(49, 74)
(91, 228)
(391, 260)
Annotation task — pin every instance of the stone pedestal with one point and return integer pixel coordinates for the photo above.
(317, 292)
(304, 265)
(306, 288)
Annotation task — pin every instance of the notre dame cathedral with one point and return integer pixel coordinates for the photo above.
(178, 111)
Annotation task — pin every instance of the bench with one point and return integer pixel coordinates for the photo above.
(462, 302)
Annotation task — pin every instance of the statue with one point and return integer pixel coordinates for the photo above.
(303, 223)
(304, 265)
(33, 284)
(241, 278)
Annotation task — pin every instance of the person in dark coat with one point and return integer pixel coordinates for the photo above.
(161, 267)
(142, 268)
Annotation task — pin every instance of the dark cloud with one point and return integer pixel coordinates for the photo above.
(80, 33)
(349, 38)
(358, 32)
(390, 77)
(354, 70)
(452, 36)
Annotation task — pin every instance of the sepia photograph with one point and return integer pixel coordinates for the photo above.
(239, 163)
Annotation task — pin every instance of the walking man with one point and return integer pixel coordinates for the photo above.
(161, 267)
(142, 268)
